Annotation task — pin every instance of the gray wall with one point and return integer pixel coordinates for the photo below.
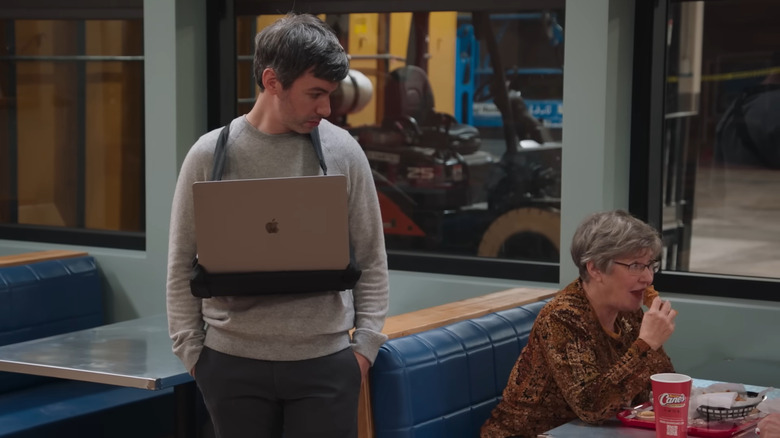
(715, 338)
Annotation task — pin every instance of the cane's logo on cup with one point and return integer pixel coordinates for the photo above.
(672, 400)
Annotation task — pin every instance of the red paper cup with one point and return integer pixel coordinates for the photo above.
(671, 392)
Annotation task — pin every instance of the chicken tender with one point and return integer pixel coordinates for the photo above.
(650, 294)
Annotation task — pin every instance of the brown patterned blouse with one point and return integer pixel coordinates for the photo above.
(573, 368)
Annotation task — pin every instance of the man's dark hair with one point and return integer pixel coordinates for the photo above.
(296, 43)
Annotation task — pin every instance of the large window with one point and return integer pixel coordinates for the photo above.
(459, 113)
(72, 136)
(713, 155)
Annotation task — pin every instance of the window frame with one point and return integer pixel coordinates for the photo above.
(221, 104)
(645, 182)
(73, 10)
(82, 10)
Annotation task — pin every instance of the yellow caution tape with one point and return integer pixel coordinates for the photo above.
(731, 76)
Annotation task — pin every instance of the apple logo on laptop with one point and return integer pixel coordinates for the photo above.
(272, 227)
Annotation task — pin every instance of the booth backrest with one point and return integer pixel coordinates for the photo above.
(445, 381)
(47, 298)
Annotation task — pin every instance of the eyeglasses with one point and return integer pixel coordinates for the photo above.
(639, 268)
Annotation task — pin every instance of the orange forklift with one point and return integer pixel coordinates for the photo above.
(443, 184)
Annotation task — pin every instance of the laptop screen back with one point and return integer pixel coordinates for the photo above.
(272, 224)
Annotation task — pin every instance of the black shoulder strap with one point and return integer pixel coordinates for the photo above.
(221, 150)
(219, 154)
(317, 144)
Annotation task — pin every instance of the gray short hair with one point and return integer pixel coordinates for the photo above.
(603, 237)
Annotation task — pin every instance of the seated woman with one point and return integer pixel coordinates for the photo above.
(592, 349)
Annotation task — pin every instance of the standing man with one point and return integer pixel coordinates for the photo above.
(273, 365)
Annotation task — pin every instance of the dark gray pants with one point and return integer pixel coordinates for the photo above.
(266, 399)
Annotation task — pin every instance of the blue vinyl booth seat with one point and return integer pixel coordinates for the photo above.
(49, 298)
(44, 299)
(444, 382)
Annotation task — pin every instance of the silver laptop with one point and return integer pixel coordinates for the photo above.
(272, 224)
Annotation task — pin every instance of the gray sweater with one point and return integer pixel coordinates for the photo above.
(279, 327)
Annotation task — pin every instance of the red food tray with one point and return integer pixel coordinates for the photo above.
(712, 429)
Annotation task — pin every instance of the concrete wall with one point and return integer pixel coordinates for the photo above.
(719, 339)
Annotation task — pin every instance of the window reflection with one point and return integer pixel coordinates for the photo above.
(722, 142)
(460, 116)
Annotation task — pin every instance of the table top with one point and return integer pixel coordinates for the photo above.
(610, 429)
(135, 353)
(613, 428)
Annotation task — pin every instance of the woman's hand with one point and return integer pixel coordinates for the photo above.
(769, 426)
(658, 323)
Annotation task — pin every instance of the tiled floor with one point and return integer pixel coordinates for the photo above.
(736, 228)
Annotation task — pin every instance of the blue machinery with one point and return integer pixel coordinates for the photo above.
(472, 73)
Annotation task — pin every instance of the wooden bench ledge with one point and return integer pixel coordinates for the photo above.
(444, 314)
(38, 256)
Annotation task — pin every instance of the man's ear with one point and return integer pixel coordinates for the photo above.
(270, 81)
